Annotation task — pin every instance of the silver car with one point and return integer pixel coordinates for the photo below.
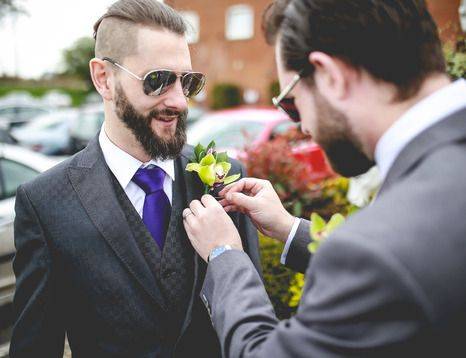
(49, 133)
(17, 166)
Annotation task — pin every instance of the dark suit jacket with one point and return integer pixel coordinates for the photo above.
(390, 282)
(80, 271)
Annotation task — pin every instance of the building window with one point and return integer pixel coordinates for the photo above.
(193, 25)
(239, 23)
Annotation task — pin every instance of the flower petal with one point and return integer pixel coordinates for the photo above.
(231, 179)
(207, 174)
(193, 167)
(209, 159)
(317, 226)
(223, 167)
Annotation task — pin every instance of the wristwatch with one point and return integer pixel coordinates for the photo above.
(218, 251)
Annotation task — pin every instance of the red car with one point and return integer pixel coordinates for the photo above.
(234, 129)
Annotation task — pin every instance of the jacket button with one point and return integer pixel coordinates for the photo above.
(168, 274)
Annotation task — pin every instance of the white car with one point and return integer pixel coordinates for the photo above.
(48, 133)
(17, 166)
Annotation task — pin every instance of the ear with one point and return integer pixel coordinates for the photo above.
(102, 78)
(331, 75)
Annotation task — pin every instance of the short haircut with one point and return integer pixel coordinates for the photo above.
(395, 41)
(115, 33)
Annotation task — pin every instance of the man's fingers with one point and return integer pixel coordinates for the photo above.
(234, 187)
(209, 201)
(242, 201)
(251, 185)
(188, 219)
(196, 207)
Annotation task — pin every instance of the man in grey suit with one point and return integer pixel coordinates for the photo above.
(102, 254)
(369, 82)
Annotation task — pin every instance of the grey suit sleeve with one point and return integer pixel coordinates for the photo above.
(249, 237)
(38, 331)
(298, 255)
(356, 302)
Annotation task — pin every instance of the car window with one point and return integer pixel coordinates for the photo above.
(14, 174)
(230, 134)
(283, 127)
(27, 113)
(48, 121)
(21, 113)
(5, 137)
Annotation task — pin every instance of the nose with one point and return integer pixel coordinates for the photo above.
(174, 98)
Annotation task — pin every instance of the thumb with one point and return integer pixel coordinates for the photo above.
(242, 201)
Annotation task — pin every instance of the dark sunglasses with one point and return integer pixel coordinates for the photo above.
(157, 82)
(286, 104)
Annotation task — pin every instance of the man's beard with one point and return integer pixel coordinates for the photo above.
(154, 145)
(335, 136)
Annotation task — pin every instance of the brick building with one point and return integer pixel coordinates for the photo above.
(228, 45)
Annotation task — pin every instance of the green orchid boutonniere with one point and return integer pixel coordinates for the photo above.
(212, 168)
(320, 230)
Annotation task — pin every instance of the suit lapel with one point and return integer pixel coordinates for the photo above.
(194, 191)
(446, 131)
(194, 186)
(91, 181)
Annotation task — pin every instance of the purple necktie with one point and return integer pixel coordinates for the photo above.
(157, 208)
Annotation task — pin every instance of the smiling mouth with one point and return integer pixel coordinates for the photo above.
(166, 119)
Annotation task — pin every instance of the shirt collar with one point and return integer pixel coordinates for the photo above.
(418, 118)
(124, 165)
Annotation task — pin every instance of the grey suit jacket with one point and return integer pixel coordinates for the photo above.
(80, 271)
(390, 282)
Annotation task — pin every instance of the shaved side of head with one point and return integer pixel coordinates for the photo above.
(116, 38)
(116, 31)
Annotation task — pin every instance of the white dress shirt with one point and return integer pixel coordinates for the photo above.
(421, 116)
(124, 166)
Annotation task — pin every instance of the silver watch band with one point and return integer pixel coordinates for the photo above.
(217, 251)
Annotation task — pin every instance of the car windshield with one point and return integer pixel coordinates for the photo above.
(48, 121)
(226, 134)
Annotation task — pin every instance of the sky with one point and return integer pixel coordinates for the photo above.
(32, 44)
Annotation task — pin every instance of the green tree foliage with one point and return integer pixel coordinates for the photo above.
(226, 95)
(301, 194)
(455, 56)
(76, 59)
(9, 7)
(274, 90)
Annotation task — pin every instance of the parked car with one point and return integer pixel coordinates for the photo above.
(235, 129)
(5, 135)
(49, 133)
(17, 166)
(85, 127)
(194, 114)
(14, 115)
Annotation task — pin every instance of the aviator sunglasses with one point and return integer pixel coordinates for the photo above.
(157, 82)
(286, 104)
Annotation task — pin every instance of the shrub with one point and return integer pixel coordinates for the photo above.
(455, 57)
(277, 278)
(274, 90)
(226, 95)
(274, 161)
